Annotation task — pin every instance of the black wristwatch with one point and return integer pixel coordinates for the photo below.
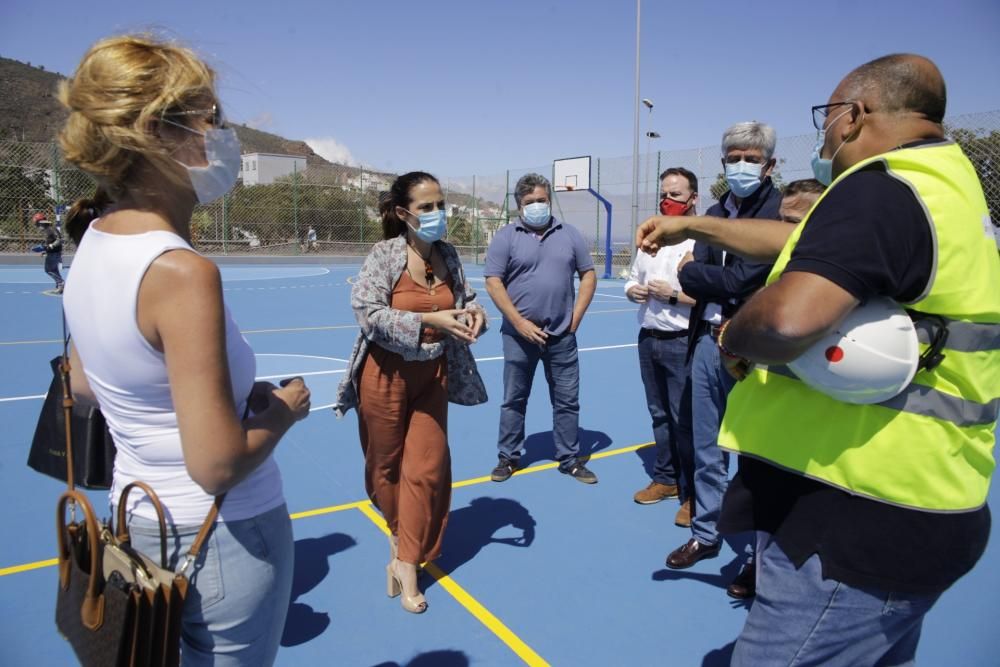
(672, 299)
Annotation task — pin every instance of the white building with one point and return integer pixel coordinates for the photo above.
(265, 168)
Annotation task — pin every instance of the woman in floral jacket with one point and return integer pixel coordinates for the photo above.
(418, 316)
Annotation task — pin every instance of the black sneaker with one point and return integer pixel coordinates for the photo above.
(505, 468)
(579, 472)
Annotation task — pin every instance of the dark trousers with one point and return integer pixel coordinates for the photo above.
(562, 372)
(664, 370)
(52, 262)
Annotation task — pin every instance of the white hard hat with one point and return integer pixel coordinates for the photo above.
(869, 358)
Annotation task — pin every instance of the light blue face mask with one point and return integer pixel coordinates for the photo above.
(823, 168)
(432, 226)
(743, 177)
(536, 215)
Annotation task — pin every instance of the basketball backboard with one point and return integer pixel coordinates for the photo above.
(572, 173)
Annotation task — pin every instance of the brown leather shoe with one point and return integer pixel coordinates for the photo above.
(744, 586)
(685, 513)
(654, 493)
(690, 553)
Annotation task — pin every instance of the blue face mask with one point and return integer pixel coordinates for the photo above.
(743, 178)
(823, 168)
(536, 215)
(432, 226)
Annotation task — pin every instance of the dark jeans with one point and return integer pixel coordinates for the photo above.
(562, 372)
(52, 262)
(664, 369)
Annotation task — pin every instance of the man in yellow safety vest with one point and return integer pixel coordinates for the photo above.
(865, 513)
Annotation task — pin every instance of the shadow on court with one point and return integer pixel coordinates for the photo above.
(720, 657)
(474, 527)
(541, 446)
(443, 658)
(312, 564)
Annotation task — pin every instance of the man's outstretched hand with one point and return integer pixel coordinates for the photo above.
(660, 231)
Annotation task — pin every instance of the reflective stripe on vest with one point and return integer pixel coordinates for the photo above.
(930, 447)
(929, 402)
(964, 336)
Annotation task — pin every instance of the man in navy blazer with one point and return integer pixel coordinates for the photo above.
(721, 282)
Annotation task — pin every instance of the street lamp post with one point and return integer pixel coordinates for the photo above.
(650, 135)
(635, 142)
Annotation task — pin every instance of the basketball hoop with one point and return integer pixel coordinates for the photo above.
(569, 188)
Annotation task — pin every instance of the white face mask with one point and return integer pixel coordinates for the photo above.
(222, 150)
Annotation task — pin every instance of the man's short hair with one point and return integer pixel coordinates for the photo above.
(527, 184)
(750, 134)
(681, 171)
(900, 82)
(804, 186)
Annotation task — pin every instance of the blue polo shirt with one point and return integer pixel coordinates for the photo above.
(538, 271)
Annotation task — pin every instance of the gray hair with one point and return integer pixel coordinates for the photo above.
(527, 184)
(751, 134)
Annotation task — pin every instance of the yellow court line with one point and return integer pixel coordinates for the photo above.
(14, 569)
(328, 510)
(481, 613)
(360, 504)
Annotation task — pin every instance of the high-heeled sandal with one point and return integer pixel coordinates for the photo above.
(415, 604)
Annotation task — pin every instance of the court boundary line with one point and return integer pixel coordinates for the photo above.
(337, 371)
(467, 601)
(332, 509)
(296, 329)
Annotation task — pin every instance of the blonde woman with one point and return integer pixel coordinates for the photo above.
(156, 348)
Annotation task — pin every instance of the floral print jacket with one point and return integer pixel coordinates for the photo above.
(399, 331)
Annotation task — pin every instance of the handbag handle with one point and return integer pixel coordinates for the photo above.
(123, 534)
(92, 610)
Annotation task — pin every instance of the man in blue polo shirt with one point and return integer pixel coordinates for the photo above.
(530, 269)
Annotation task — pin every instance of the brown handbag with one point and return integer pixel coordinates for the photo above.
(115, 605)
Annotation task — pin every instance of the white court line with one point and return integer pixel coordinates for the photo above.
(303, 356)
(613, 296)
(493, 315)
(299, 375)
(293, 329)
(344, 370)
(21, 398)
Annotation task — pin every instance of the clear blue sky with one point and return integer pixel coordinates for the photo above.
(479, 86)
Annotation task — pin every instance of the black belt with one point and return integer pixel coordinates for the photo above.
(665, 335)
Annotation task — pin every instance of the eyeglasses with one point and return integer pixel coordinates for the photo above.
(821, 111)
(213, 115)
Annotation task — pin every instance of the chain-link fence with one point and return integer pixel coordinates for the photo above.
(333, 210)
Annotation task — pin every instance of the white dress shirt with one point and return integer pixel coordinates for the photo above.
(656, 314)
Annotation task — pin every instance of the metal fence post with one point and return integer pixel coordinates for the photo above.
(361, 207)
(295, 205)
(597, 230)
(225, 223)
(475, 218)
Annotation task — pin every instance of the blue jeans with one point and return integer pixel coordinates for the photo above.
(562, 372)
(710, 387)
(800, 618)
(241, 586)
(664, 370)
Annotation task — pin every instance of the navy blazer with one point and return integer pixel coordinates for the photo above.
(708, 280)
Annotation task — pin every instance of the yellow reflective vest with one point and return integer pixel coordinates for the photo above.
(931, 447)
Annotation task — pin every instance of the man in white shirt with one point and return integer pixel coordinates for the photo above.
(663, 317)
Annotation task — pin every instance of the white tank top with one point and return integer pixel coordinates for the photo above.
(129, 378)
